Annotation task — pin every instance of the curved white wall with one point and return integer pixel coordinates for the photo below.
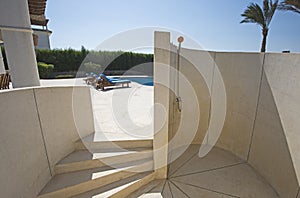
(37, 129)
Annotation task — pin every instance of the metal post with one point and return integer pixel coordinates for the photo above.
(178, 98)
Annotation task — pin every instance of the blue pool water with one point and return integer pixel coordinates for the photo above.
(147, 81)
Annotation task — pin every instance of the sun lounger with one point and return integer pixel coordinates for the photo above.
(105, 81)
(91, 79)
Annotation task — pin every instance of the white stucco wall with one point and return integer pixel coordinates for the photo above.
(196, 69)
(16, 34)
(241, 73)
(275, 146)
(37, 125)
(21, 58)
(262, 117)
(283, 74)
(58, 113)
(24, 168)
(14, 13)
(269, 151)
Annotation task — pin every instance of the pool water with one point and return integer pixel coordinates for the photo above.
(147, 81)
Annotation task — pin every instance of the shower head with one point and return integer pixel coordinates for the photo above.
(180, 39)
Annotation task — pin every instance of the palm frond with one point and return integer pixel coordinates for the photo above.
(272, 8)
(253, 14)
(291, 5)
(262, 17)
(266, 7)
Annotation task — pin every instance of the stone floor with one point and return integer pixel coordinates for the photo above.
(219, 174)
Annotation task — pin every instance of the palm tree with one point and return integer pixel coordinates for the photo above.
(254, 14)
(292, 5)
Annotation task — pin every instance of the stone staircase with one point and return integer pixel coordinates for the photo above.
(124, 168)
(102, 169)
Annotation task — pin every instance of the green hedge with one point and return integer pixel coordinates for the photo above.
(65, 60)
(62, 59)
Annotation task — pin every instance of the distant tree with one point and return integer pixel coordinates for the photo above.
(290, 5)
(262, 17)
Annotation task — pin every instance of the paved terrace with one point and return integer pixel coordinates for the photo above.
(119, 113)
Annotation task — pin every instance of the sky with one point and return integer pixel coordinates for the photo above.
(212, 24)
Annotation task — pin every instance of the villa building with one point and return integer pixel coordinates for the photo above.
(41, 33)
(43, 38)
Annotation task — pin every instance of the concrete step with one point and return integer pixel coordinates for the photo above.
(119, 145)
(153, 189)
(75, 183)
(83, 160)
(121, 188)
(134, 186)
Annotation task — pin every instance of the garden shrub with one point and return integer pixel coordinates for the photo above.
(45, 70)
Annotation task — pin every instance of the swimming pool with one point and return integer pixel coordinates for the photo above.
(147, 81)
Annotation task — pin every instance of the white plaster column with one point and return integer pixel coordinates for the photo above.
(161, 102)
(18, 43)
(2, 68)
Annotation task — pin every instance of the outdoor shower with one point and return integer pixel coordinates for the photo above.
(178, 98)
